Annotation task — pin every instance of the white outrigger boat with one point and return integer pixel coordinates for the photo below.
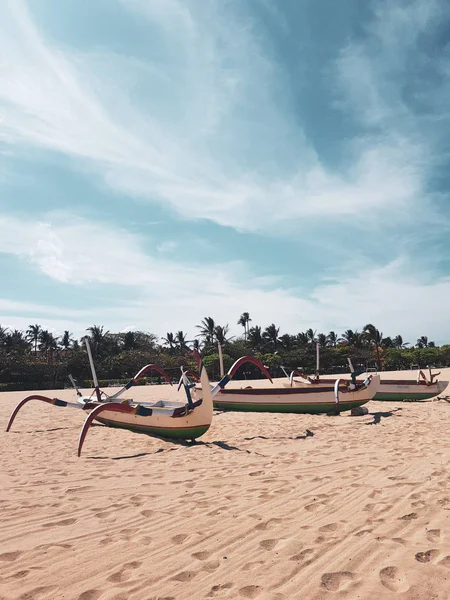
(420, 388)
(168, 419)
(339, 396)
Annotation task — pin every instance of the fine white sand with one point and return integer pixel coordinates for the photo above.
(266, 506)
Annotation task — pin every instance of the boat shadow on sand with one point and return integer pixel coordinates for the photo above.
(377, 416)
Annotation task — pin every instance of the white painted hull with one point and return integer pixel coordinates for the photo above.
(308, 399)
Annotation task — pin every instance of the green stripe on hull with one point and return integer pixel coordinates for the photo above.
(403, 396)
(182, 433)
(287, 408)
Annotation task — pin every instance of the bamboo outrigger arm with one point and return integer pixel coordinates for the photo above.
(116, 407)
(54, 401)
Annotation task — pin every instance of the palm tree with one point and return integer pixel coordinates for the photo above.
(98, 338)
(207, 327)
(422, 342)
(181, 341)
(399, 343)
(332, 339)
(302, 339)
(271, 335)
(3, 335)
(220, 334)
(374, 336)
(353, 338)
(130, 341)
(311, 335)
(244, 320)
(66, 340)
(255, 338)
(288, 341)
(16, 342)
(387, 342)
(322, 339)
(170, 341)
(33, 333)
(47, 343)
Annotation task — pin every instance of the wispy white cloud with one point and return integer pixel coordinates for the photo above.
(164, 296)
(213, 102)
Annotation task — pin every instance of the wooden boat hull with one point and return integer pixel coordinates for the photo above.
(392, 389)
(399, 390)
(187, 428)
(308, 399)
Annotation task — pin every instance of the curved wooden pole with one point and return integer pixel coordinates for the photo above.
(223, 382)
(140, 374)
(46, 399)
(152, 368)
(250, 359)
(192, 374)
(114, 406)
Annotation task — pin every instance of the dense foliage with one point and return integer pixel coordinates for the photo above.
(36, 359)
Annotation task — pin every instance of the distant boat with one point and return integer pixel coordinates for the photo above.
(421, 388)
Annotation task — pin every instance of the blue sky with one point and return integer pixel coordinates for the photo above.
(166, 160)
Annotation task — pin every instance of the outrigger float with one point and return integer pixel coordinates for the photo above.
(168, 419)
(338, 396)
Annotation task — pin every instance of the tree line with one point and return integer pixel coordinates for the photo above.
(36, 358)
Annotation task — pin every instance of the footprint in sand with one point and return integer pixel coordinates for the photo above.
(252, 565)
(303, 555)
(62, 523)
(268, 544)
(211, 566)
(267, 524)
(408, 517)
(219, 588)
(42, 592)
(375, 493)
(10, 556)
(363, 532)
(393, 579)
(184, 576)
(203, 555)
(313, 507)
(125, 573)
(428, 556)
(19, 574)
(434, 535)
(445, 562)
(335, 582)
(250, 591)
(180, 538)
(444, 503)
(329, 527)
(90, 595)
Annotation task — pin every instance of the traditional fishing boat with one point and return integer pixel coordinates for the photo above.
(169, 419)
(339, 396)
(421, 388)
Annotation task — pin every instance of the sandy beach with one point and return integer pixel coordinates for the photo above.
(274, 507)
